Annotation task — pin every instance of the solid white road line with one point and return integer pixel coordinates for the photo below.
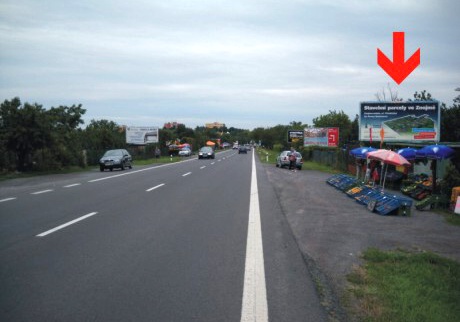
(7, 199)
(186, 174)
(72, 185)
(156, 187)
(254, 306)
(66, 224)
(40, 192)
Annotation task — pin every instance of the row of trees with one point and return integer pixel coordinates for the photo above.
(35, 138)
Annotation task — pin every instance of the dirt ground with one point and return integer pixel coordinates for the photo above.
(332, 230)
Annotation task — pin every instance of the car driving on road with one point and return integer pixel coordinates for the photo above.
(206, 152)
(185, 152)
(119, 158)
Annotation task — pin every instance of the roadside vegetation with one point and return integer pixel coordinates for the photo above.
(405, 286)
(269, 157)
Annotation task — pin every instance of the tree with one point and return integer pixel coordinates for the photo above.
(422, 96)
(391, 96)
(24, 130)
(40, 138)
(103, 135)
(354, 133)
(450, 120)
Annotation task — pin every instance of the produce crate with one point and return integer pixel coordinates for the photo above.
(386, 205)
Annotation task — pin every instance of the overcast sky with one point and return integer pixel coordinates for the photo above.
(245, 63)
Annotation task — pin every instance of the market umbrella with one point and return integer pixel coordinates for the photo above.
(210, 143)
(388, 157)
(408, 153)
(434, 153)
(361, 152)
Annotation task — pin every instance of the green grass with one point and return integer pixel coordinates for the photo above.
(403, 286)
(307, 165)
(163, 159)
(449, 216)
(17, 175)
(453, 219)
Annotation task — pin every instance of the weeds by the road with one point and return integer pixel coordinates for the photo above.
(450, 216)
(403, 286)
(17, 175)
(269, 157)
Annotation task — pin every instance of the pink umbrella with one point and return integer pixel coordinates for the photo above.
(388, 157)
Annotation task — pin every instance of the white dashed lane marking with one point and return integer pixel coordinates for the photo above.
(72, 185)
(40, 192)
(156, 187)
(7, 199)
(66, 224)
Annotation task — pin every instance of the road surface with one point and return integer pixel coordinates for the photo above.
(155, 243)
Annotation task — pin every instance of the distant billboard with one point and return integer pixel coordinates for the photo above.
(141, 135)
(415, 121)
(322, 136)
(295, 136)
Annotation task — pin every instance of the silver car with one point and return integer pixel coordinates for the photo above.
(283, 159)
(185, 152)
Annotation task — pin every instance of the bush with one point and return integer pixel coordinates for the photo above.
(451, 179)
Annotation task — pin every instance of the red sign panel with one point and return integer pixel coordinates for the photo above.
(333, 137)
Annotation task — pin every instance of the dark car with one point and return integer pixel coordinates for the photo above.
(206, 153)
(242, 149)
(283, 159)
(119, 158)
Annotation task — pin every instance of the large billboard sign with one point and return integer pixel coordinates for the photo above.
(295, 136)
(322, 136)
(416, 121)
(141, 135)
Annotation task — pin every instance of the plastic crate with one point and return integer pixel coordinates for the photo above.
(386, 205)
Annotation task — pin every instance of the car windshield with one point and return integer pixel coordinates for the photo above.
(206, 149)
(113, 153)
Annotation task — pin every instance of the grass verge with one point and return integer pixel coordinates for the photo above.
(403, 286)
(269, 157)
(449, 216)
(17, 175)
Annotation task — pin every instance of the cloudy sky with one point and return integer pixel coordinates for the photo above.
(242, 62)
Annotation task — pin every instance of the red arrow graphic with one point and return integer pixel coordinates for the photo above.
(398, 69)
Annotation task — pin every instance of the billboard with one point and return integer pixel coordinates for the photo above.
(141, 135)
(416, 121)
(322, 136)
(295, 136)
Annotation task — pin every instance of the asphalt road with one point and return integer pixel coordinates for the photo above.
(155, 243)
